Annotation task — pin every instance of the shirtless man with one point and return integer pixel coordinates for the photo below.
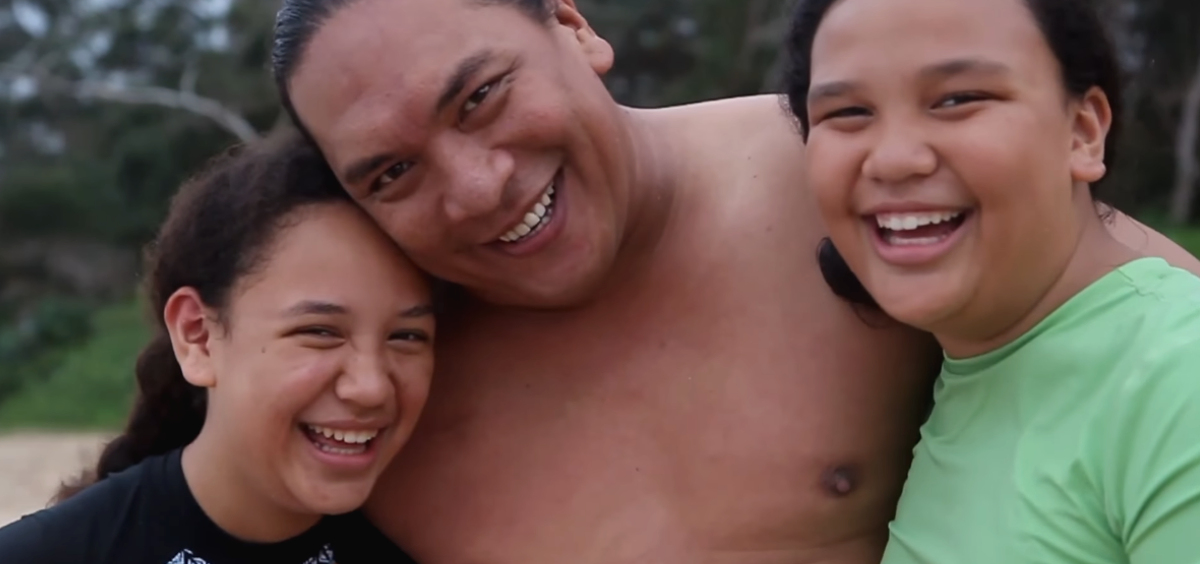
(651, 369)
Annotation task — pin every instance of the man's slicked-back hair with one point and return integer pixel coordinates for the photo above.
(298, 21)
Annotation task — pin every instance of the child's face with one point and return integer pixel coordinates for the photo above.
(948, 159)
(323, 362)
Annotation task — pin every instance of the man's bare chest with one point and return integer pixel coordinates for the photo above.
(742, 424)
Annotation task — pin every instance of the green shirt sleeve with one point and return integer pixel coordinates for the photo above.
(1149, 450)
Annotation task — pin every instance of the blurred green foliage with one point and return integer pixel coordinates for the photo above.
(80, 385)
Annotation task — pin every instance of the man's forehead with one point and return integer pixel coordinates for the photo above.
(377, 68)
(408, 25)
(348, 87)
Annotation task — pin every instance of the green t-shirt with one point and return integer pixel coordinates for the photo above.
(1077, 443)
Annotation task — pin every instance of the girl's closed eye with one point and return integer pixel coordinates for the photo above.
(959, 99)
(410, 335)
(847, 112)
(318, 336)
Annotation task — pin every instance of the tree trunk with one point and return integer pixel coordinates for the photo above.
(1187, 168)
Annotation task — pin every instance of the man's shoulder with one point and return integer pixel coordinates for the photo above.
(757, 104)
(761, 157)
(753, 138)
(735, 121)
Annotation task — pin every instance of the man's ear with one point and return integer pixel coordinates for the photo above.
(598, 52)
(193, 328)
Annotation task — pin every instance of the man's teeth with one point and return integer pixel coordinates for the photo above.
(534, 219)
(911, 221)
(349, 437)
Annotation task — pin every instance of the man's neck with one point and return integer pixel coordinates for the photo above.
(657, 157)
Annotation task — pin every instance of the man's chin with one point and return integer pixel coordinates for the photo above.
(549, 296)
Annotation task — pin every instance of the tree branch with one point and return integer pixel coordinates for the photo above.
(108, 91)
(222, 115)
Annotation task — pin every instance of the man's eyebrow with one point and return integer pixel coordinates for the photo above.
(312, 307)
(455, 84)
(358, 171)
(457, 81)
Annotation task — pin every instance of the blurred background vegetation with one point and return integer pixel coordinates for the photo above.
(106, 105)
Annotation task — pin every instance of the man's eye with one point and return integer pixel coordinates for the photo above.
(476, 98)
(391, 175)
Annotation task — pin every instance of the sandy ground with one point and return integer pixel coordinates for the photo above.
(32, 465)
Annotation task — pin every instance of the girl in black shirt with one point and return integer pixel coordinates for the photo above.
(292, 358)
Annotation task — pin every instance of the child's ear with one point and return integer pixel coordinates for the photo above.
(192, 326)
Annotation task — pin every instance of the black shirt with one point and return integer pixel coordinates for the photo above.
(147, 515)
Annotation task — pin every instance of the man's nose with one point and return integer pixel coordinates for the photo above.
(900, 153)
(475, 175)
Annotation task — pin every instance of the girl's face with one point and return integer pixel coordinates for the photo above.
(947, 158)
(321, 366)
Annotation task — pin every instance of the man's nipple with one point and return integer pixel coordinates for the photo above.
(839, 481)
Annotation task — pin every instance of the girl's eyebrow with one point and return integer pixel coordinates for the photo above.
(955, 67)
(418, 311)
(313, 307)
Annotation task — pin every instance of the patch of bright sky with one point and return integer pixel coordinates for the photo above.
(217, 37)
(89, 7)
(212, 8)
(47, 139)
(31, 18)
(93, 47)
(22, 88)
(214, 39)
(148, 10)
(34, 21)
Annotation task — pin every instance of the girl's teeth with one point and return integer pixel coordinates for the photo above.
(345, 451)
(348, 437)
(911, 221)
(915, 242)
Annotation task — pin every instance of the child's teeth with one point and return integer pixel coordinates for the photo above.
(349, 437)
(911, 221)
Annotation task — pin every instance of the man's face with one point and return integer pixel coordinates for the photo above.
(483, 141)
